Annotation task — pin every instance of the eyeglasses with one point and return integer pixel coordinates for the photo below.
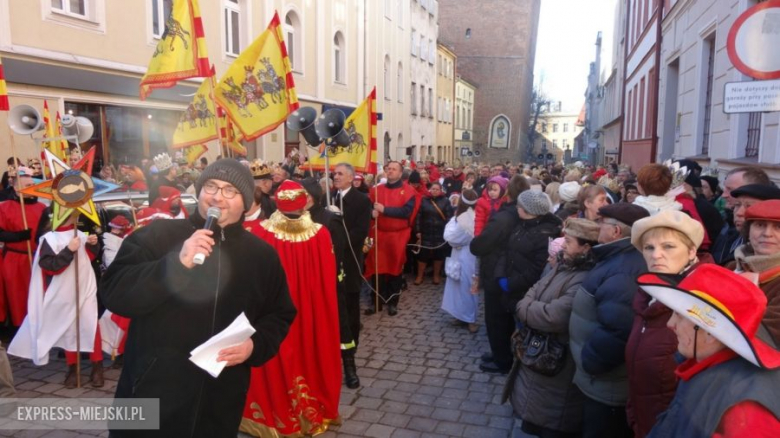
(229, 192)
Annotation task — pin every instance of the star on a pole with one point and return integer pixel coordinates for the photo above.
(71, 188)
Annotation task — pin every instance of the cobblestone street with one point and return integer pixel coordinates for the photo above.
(419, 373)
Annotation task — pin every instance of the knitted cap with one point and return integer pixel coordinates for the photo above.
(233, 172)
(534, 202)
(568, 191)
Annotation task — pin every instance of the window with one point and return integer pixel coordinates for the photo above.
(710, 59)
(232, 14)
(292, 34)
(431, 51)
(468, 33)
(544, 127)
(160, 11)
(565, 127)
(544, 143)
(565, 144)
(555, 127)
(430, 102)
(70, 7)
(422, 100)
(423, 48)
(414, 42)
(439, 109)
(457, 116)
(468, 119)
(555, 144)
(753, 134)
(400, 12)
(414, 99)
(386, 80)
(400, 80)
(338, 57)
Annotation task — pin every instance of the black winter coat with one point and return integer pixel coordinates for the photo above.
(175, 309)
(491, 244)
(431, 223)
(526, 255)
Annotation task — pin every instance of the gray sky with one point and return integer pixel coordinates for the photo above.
(566, 46)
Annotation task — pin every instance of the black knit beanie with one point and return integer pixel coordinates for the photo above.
(233, 172)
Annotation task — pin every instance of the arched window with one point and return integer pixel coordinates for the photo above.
(292, 36)
(386, 78)
(338, 58)
(400, 82)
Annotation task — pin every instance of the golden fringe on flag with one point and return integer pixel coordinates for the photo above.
(361, 152)
(4, 106)
(258, 91)
(181, 52)
(198, 122)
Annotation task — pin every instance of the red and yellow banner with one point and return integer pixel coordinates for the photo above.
(194, 152)
(258, 91)
(181, 52)
(361, 152)
(198, 122)
(62, 151)
(4, 106)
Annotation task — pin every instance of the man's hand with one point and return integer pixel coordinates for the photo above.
(92, 239)
(374, 214)
(236, 354)
(74, 244)
(379, 207)
(199, 242)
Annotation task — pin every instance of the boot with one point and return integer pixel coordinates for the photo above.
(350, 373)
(420, 273)
(437, 264)
(70, 377)
(96, 376)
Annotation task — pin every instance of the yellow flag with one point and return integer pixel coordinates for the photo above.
(258, 91)
(49, 131)
(181, 52)
(62, 150)
(361, 151)
(194, 152)
(197, 124)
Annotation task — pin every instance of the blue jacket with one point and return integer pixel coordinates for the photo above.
(601, 322)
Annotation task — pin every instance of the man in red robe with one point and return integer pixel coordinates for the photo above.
(15, 237)
(296, 393)
(395, 206)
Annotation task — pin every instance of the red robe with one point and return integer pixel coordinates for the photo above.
(297, 392)
(16, 262)
(394, 233)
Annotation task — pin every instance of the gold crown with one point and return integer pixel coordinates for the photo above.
(259, 169)
(163, 161)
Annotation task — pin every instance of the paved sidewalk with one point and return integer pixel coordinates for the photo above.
(420, 378)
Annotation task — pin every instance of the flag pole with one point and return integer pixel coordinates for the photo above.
(376, 246)
(327, 176)
(21, 198)
(218, 109)
(78, 302)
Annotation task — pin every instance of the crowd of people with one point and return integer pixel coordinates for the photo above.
(618, 304)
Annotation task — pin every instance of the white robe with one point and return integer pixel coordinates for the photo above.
(111, 244)
(51, 314)
(458, 300)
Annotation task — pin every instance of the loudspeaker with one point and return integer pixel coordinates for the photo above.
(80, 127)
(330, 127)
(25, 120)
(302, 120)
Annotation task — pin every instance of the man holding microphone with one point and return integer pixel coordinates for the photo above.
(176, 304)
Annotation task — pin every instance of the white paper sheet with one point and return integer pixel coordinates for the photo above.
(205, 355)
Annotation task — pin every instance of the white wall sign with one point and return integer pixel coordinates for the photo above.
(751, 97)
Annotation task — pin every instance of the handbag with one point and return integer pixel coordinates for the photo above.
(539, 352)
(452, 268)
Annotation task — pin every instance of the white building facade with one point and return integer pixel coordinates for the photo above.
(422, 82)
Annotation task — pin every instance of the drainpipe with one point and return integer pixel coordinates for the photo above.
(656, 105)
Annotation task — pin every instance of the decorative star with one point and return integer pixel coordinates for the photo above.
(61, 212)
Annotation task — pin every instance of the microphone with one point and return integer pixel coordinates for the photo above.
(212, 214)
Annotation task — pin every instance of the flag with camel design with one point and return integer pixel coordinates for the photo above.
(258, 91)
(181, 52)
(361, 150)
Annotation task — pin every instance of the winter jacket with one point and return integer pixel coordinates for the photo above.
(483, 210)
(768, 269)
(453, 184)
(491, 244)
(431, 223)
(553, 402)
(567, 210)
(175, 309)
(526, 255)
(601, 322)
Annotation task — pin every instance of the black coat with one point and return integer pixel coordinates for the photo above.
(175, 309)
(431, 222)
(491, 244)
(356, 210)
(526, 255)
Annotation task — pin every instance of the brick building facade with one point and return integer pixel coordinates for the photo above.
(496, 47)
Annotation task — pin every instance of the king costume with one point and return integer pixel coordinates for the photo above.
(297, 392)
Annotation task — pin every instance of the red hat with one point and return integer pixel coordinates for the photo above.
(359, 176)
(722, 303)
(599, 173)
(120, 222)
(147, 215)
(290, 196)
(764, 211)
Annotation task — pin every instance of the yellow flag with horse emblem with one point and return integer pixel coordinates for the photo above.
(361, 151)
(258, 91)
(181, 52)
(198, 122)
